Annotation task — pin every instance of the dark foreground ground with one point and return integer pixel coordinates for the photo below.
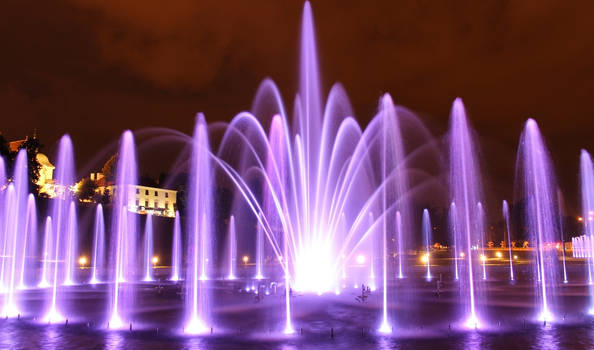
(420, 318)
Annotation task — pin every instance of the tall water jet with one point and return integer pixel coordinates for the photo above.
(561, 233)
(29, 239)
(465, 192)
(427, 238)
(71, 245)
(16, 207)
(535, 179)
(98, 244)
(46, 254)
(452, 230)
(385, 325)
(63, 230)
(200, 217)
(176, 250)
(259, 252)
(148, 248)
(508, 234)
(481, 231)
(124, 234)
(587, 192)
(232, 246)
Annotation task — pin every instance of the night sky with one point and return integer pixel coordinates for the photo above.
(93, 68)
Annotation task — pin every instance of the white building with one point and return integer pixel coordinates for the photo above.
(147, 200)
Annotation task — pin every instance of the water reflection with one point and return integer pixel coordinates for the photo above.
(547, 338)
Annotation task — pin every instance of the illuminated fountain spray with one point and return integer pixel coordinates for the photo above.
(481, 231)
(465, 190)
(98, 244)
(71, 245)
(454, 234)
(259, 252)
(123, 235)
(176, 250)
(560, 207)
(587, 191)
(372, 242)
(232, 244)
(200, 216)
(536, 180)
(427, 236)
(508, 234)
(46, 254)
(16, 207)
(148, 249)
(63, 232)
(29, 240)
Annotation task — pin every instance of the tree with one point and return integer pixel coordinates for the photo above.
(109, 168)
(87, 189)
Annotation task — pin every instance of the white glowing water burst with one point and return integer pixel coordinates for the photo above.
(508, 234)
(29, 239)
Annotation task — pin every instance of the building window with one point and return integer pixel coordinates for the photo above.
(156, 194)
(156, 204)
(166, 204)
(166, 194)
(137, 202)
(146, 204)
(146, 192)
(137, 191)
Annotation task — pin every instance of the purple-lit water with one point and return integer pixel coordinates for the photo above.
(317, 204)
(465, 192)
(537, 190)
(176, 250)
(505, 209)
(148, 249)
(124, 267)
(427, 239)
(98, 245)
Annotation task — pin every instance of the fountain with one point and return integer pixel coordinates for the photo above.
(320, 203)
(427, 238)
(536, 186)
(232, 253)
(148, 249)
(98, 245)
(587, 187)
(465, 190)
(176, 250)
(124, 235)
(508, 234)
